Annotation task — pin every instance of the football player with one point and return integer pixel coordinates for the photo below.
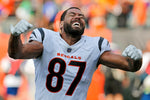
(65, 62)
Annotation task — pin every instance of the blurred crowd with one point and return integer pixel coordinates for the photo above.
(102, 16)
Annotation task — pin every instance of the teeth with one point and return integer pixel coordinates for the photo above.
(76, 24)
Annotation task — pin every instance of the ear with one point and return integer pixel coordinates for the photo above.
(61, 25)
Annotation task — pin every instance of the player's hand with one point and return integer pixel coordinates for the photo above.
(132, 52)
(21, 27)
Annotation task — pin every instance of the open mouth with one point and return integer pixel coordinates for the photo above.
(76, 24)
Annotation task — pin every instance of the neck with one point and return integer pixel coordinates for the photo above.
(69, 38)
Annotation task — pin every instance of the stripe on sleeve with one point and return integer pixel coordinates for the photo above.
(31, 36)
(42, 33)
(100, 42)
(107, 43)
(34, 34)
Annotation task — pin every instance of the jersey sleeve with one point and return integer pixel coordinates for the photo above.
(37, 35)
(103, 45)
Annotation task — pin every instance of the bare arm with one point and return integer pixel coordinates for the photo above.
(17, 50)
(117, 61)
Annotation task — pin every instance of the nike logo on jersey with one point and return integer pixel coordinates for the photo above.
(68, 56)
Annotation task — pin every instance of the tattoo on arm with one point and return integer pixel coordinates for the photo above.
(134, 65)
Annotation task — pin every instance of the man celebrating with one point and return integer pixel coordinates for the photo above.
(65, 61)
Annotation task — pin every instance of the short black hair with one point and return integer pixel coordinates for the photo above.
(64, 13)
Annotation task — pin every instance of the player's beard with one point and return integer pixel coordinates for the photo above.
(73, 32)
